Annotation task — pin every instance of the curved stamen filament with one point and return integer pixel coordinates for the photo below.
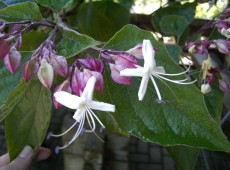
(156, 88)
(176, 74)
(58, 135)
(92, 120)
(76, 134)
(175, 81)
(96, 118)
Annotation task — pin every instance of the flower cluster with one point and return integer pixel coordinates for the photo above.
(209, 76)
(222, 23)
(44, 62)
(85, 76)
(9, 44)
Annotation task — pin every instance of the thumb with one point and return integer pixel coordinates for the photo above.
(22, 162)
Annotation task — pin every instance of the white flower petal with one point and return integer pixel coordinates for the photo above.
(149, 55)
(140, 72)
(101, 106)
(89, 88)
(67, 99)
(143, 87)
(79, 114)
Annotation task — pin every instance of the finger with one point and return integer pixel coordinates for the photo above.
(22, 162)
(4, 160)
(43, 153)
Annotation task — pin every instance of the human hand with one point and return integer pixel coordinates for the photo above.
(24, 159)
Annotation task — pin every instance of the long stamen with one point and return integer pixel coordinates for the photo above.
(175, 81)
(176, 74)
(76, 134)
(58, 135)
(96, 118)
(92, 120)
(156, 88)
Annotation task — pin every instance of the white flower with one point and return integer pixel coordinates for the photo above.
(150, 70)
(225, 32)
(205, 88)
(83, 104)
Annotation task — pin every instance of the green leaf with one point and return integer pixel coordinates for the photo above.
(12, 2)
(214, 101)
(174, 52)
(32, 40)
(215, 34)
(185, 157)
(101, 19)
(2, 5)
(179, 10)
(21, 11)
(57, 5)
(173, 25)
(29, 117)
(182, 119)
(73, 42)
(8, 82)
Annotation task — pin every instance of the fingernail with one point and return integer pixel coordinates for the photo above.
(26, 152)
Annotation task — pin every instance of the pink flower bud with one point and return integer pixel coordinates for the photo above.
(222, 24)
(136, 51)
(4, 48)
(78, 83)
(12, 60)
(105, 56)
(115, 74)
(15, 28)
(45, 53)
(46, 74)
(223, 86)
(99, 85)
(30, 68)
(223, 45)
(92, 64)
(59, 64)
(211, 79)
(199, 47)
(2, 26)
(18, 43)
(65, 86)
(126, 60)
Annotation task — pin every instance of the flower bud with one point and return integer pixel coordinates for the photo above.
(99, 85)
(126, 60)
(205, 88)
(105, 56)
(30, 68)
(115, 74)
(46, 74)
(12, 60)
(92, 64)
(65, 86)
(225, 32)
(136, 51)
(59, 64)
(2, 26)
(78, 83)
(222, 45)
(4, 48)
(223, 86)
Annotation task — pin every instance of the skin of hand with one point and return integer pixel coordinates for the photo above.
(24, 159)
